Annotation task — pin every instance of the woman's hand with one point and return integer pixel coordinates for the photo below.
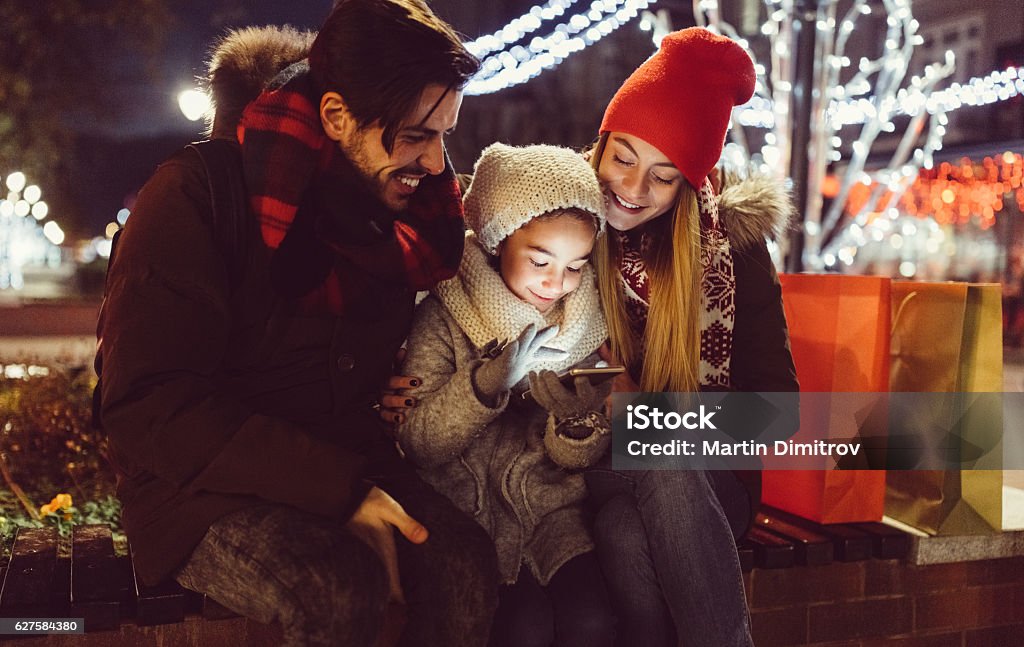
(623, 382)
(394, 402)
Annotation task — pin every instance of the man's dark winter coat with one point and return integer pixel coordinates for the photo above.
(216, 393)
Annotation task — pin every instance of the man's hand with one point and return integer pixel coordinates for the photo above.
(373, 521)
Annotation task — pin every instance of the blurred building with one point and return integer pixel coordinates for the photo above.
(985, 35)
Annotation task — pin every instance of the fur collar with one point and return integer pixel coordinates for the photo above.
(242, 63)
(754, 208)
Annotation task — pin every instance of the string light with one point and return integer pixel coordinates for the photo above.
(516, 29)
(979, 91)
(875, 93)
(519, 64)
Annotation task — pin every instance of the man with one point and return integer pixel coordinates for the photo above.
(251, 466)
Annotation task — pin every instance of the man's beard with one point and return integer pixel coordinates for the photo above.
(376, 181)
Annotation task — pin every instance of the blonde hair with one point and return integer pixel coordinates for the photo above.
(668, 355)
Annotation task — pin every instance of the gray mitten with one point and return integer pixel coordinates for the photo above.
(511, 364)
(550, 393)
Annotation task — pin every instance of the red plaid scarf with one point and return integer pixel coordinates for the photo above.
(332, 237)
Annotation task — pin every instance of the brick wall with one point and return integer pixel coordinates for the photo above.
(872, 603)
(889, 602)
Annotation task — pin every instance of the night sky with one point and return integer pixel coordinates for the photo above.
(146, 104)
(119, 150)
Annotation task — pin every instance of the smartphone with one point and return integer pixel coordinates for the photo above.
(595, 375)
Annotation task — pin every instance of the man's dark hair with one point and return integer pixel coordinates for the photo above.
(379, 55)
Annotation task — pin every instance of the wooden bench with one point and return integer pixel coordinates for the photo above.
(118, 609)
(781, 540)
(96, 585)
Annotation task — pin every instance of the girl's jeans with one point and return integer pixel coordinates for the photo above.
(571, 611)
(669, 555)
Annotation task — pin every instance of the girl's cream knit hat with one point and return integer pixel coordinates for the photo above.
(513, 185)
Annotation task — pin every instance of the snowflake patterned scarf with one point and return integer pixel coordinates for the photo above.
(717, 283)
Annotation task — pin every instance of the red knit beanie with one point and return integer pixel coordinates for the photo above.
(680, 99)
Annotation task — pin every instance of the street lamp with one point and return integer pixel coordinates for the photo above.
(194, 104)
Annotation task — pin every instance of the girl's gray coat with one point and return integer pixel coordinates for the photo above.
(497, 464)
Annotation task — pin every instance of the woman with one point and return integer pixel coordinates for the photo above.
(692, 303)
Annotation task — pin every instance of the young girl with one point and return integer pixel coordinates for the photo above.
(692, 302)
(524, 301)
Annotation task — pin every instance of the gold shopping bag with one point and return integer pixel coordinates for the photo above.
(947, 338)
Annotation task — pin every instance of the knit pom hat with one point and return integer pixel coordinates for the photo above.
(680, 99)
(513, 185)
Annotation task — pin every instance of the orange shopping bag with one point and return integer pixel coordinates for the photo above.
(839, 334)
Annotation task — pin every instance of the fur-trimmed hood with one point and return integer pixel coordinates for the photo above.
(754, 207)
(242, 63)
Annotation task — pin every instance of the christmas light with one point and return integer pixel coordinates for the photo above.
(994, 87)
(24, 238)
(515, 30)
(954, 194)
(53, 233)
(519, 64)
(16, 181)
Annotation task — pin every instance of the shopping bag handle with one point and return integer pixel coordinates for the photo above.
(894, 344)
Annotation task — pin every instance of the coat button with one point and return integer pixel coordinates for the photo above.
(346, 362)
